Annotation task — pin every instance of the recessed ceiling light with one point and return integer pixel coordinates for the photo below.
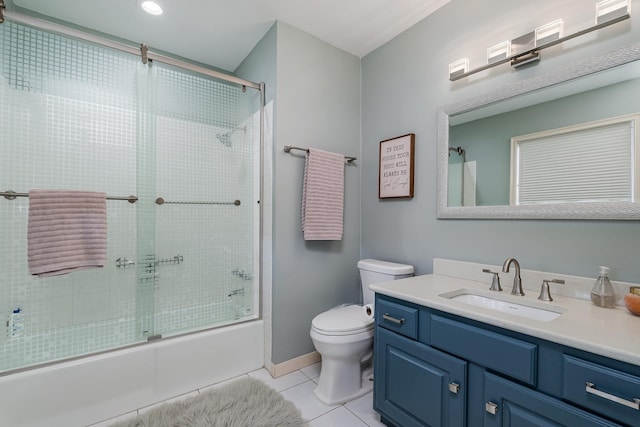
(152, 7)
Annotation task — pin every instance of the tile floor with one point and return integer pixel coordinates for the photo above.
(297, 387)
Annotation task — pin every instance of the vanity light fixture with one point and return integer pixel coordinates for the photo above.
(523, 50)
(549, 32)
(526, 49)
(151, 6)
(607, 10)
(498, 52)
(458, 68)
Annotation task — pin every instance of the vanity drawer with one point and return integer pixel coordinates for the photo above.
(601, 389)
(509, 356)
(397, 317)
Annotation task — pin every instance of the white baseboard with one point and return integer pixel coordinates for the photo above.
(293, 364)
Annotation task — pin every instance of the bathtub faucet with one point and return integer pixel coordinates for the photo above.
(238, 292)
(124, 262)
(244, 275)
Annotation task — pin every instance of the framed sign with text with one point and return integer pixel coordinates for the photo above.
(395, 173)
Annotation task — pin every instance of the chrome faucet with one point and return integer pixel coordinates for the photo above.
(517, 281)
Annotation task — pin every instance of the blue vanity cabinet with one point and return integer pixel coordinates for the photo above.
(433, 368)
(602, 389)
(508, 404)
(417, 385)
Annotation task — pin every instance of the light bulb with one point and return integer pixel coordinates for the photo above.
(151, 7)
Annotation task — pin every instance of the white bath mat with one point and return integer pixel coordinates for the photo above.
(245, 402)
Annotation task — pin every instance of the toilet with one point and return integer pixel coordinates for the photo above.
(344, 338)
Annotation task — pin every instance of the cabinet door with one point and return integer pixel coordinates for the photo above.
(511, 405)
(416, 385)
(600, 389)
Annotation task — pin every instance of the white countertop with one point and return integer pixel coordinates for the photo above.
(610, 332)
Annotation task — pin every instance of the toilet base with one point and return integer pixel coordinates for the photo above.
(350, 387)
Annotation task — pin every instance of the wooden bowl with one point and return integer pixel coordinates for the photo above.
(632, 300)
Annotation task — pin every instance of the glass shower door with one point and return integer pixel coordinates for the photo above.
(68, 120)
(206, 212)
(184, 257)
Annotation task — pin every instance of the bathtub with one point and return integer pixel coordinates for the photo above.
(91, 389)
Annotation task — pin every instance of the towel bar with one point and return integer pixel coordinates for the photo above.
(288, 148)
(12, 195)
(160, 201)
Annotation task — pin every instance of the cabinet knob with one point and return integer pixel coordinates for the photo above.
(454, 388)
(491, 408)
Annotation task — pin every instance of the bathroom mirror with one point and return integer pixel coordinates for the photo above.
(474, 138)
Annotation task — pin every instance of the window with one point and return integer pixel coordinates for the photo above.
(589, 162)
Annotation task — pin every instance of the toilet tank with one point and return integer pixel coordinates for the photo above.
(374, 271)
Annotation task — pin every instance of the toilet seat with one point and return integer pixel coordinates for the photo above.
(344, 320)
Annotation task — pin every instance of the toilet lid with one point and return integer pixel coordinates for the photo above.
(350, 318)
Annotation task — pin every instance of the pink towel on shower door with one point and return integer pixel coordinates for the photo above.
(67, 231)
(323, 195)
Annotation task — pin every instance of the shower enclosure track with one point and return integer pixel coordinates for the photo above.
(142, 50)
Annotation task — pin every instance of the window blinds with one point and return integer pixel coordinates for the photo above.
(587, 163)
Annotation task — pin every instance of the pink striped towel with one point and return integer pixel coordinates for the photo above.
(323, 195)
(67, 231)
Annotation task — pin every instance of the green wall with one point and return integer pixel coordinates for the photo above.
(404, 84)
(316, 104)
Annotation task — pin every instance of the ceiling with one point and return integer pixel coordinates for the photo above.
(221, 33)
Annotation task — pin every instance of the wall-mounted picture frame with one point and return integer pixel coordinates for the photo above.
(395, 172)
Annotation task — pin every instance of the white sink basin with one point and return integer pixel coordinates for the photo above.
(506, 304)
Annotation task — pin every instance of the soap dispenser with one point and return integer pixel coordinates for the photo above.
(602, 293)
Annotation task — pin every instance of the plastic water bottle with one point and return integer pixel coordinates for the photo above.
(16, 323)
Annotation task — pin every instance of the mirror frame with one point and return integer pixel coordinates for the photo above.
(572, 211)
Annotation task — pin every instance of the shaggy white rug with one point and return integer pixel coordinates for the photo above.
(246, 402)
